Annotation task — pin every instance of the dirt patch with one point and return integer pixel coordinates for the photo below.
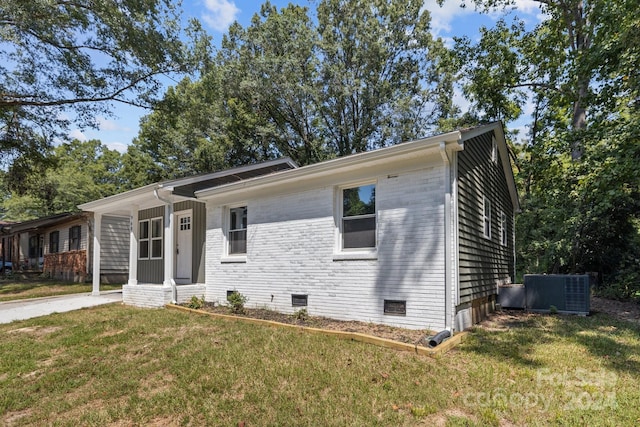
(408, 336)
(621, 310)
(13, 417)
(36, 330)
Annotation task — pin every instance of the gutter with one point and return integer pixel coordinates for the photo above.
(168, 203)
(448, 268)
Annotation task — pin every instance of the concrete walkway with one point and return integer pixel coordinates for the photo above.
(28, 308)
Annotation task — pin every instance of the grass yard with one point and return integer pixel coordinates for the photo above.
(118, 365)
(11, 289)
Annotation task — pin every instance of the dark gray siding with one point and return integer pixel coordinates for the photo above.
(114, 245)
(198, 236)
(483, 262)
(151, 270)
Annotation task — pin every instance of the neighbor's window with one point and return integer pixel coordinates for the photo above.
(486, 218)
(237, 230)
(503, 228)
(33, 246)
(54, 242)
(359, 217)
(74, 238)
(150, 238)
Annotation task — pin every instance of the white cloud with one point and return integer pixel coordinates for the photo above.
(220, 14)
(441, 17)
(110, 125)
(118, 146)
(77, 134)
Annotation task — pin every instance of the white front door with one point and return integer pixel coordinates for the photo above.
(184, 224)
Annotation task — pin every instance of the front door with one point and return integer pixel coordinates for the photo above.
(183, 247)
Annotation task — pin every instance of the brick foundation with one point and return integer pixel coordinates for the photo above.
(68, 266)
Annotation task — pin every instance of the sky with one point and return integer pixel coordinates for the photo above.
(217, 15)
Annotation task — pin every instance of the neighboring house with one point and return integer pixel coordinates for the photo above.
(60, 246)
(417, 235)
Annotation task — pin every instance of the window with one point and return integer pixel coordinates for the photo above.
(54, 242)
(503, 229)
(359, 217)
(237, 230)
(150, 238)
(143, 240)
(299, 300)
(395, 307)
(156, 238)
(33, 246)
(74, 238)
(486, 218)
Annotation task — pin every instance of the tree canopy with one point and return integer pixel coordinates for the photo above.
(67, 61)
(361, 75)
(578, 168)
(75, 172)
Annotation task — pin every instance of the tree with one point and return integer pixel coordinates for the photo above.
(65, 61)
(76, 172)
(377, 73)
(579, 173)
(364, 74)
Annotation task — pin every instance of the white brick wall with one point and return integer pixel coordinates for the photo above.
(291, 243)
(153, 296)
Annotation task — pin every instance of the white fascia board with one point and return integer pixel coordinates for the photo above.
(119, 200)
(329, 167)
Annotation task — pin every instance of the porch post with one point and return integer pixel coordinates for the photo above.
(97, 229)
(169, 246)
(133, 246)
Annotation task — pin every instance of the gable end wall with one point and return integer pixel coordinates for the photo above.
(483, 263)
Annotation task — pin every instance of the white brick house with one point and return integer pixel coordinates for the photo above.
(396, 236)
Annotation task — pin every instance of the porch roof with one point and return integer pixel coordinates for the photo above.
(183, 188)
(39, 223)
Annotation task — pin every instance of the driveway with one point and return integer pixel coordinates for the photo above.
(28, 308)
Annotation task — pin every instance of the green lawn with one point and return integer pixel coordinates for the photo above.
(118, 365)
(22, 289)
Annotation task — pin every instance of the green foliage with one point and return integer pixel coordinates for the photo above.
(236, 302)
(578, 178)
(423, 411)
(360, 75)
(74, 59)
(196, 303)
(301, 315)
(75, 173)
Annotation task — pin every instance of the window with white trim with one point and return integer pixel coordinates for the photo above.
(486, 218)
(358, 217)
(150, 238)
(237, 234)
(503, 229)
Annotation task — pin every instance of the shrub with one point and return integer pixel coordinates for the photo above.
(236, 302)
(301, 315)
(196, 303)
